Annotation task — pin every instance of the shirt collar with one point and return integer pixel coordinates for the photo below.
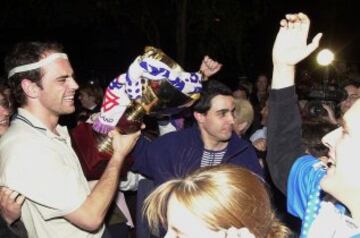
(28, 118)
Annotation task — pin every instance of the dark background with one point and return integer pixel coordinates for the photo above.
(103, 37)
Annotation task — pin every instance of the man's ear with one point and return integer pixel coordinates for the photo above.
(200, 117)
(30, 88)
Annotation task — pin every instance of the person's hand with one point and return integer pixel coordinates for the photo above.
(291, 46)
(10, 204)
(209, 66)
(260, 144)
(123, 144)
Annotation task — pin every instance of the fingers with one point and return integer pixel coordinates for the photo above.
(13, 195)
(20, 199)
(112, 133)
(16, 197)
(293, 21)
(314, 44)
(9, 196)
(210, 63)
(4, 195)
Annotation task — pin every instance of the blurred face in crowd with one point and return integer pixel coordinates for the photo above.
(342, 179)
(262, 83)
(352, 95)
(58, 88)
(86, 100)
(239, 93)
(4, 113)
(216, 125)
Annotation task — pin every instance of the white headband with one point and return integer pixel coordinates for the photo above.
(37, 65)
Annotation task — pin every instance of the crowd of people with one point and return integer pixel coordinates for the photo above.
(215, 176)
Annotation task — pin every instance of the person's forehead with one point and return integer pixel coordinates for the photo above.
(57, 68)
(181, 218)
(222, 102)
(351, 88)
(262, 78)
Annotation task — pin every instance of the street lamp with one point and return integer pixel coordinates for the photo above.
(325, 57)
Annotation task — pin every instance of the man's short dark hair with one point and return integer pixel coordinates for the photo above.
(211, 89)
(312, 133)
(27, 53)
(350, 82)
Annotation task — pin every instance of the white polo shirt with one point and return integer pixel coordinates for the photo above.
(44, 168)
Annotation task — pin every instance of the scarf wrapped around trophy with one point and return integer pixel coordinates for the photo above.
(153, 85)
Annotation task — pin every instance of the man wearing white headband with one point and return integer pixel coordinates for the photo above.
(36, 157)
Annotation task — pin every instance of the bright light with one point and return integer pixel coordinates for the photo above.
(325, 57)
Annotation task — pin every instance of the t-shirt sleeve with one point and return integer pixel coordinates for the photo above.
(304, 177)
(44, 177)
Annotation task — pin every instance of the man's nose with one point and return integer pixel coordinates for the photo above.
(73, 84)
(231, 118)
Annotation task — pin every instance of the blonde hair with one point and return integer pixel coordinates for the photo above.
(222, 196)
(244, 111)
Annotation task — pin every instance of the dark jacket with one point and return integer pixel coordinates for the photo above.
(283, 135)
(178, 153)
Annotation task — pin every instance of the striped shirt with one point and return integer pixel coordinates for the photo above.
(211, 158)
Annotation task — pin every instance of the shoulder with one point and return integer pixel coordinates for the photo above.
(239, 143)
(184, 135)
(20, 143)
(17, 135)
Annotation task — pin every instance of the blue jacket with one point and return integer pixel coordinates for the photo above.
(178, 153)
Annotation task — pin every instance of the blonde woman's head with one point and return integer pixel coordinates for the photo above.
(210, 201)
(244, 115)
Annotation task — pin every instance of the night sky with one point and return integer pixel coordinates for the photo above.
(103, 37)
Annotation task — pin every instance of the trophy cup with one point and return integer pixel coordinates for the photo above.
(165, 90)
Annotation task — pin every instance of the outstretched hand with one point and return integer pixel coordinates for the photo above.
(209, 66)
(291, 46)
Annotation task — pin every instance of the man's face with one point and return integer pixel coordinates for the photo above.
(262, 83)
(58, 88)
(352, 93)
(86, 100)
(4, 114)
(240, 94)
(342, 180)
(217, 124)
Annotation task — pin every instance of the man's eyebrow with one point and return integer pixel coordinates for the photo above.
(225, 110)
(64, 76)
